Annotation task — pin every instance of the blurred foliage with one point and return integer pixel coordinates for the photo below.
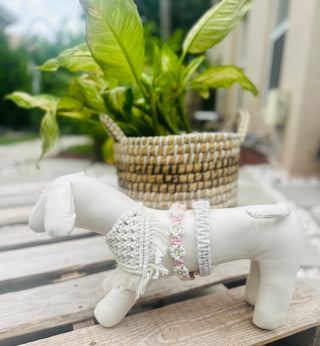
(183, 12)
(13, 67)
(19, 63)
(17, 66)
(130, 74)
(20, 73)
(16, 138)
(142, 85)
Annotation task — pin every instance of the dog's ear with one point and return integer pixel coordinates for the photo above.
(59, 211)
(272, 211)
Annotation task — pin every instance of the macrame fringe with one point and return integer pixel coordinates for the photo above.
(138, 283)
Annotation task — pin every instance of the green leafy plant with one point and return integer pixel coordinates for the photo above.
(113, 76)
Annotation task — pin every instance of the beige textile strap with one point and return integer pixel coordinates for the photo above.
(112, 128)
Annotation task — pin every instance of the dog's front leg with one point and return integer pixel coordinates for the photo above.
(114, 306)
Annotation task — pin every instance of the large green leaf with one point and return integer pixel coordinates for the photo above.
(25, 100)
(147, 83)
(49, 131)
(76, 114)
(50, 65)
(90, 94)
(119, 102)
(190, 69)
(170, 65)
(115, 37)
(67, 103)
(72, 108)
(74, 59)
(222, 77)
(215, 24)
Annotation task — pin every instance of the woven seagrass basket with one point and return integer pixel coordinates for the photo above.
(161, 170)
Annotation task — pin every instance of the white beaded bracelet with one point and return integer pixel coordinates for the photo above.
(203, 236)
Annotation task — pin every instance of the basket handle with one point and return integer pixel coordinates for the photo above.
(112, 128)
(118, 135)
(243, 117)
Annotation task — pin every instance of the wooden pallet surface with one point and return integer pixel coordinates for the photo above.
(218, 319)
(14, 215)
(21, 194)
(51, 259)
(49, 287)
(73, 300)
(16, 236)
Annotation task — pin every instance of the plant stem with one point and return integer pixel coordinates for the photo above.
(182, 111)
(154, 114)
(170, 126)
(183, 55)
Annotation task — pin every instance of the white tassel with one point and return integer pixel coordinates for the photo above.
(137, 282)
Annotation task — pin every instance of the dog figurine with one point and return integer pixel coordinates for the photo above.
(270, 236)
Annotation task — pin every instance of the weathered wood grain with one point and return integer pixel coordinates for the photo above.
(20, 200)
(83, 324)
(52, 259)
(49, 306)
(170, 286)
(218, 319)
(19, 235)
(20, 194)
(71, 301)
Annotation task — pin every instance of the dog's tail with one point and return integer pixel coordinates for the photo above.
(273, 211)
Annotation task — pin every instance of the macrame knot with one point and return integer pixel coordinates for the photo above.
(138, 246)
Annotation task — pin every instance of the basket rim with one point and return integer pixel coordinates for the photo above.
(196, 135)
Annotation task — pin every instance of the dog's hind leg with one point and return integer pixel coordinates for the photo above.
(252, 284)
(277, 280)
(114, 306)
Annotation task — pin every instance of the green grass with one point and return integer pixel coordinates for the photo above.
(16, 138)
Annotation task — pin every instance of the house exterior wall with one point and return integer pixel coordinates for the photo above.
(301, 75)
(249, 47)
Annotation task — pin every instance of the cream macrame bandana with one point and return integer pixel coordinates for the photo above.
(138, 246)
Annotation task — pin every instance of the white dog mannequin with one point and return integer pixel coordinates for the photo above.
(269, 235)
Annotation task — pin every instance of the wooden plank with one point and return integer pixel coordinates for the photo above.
(19, 235)
(170, 287)
(14, 215)
(49, 306)
(52, 259)
(218, 319)
(67, 302)
(83, 324)
(21, 189)
(16, 201)
(20, 194)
